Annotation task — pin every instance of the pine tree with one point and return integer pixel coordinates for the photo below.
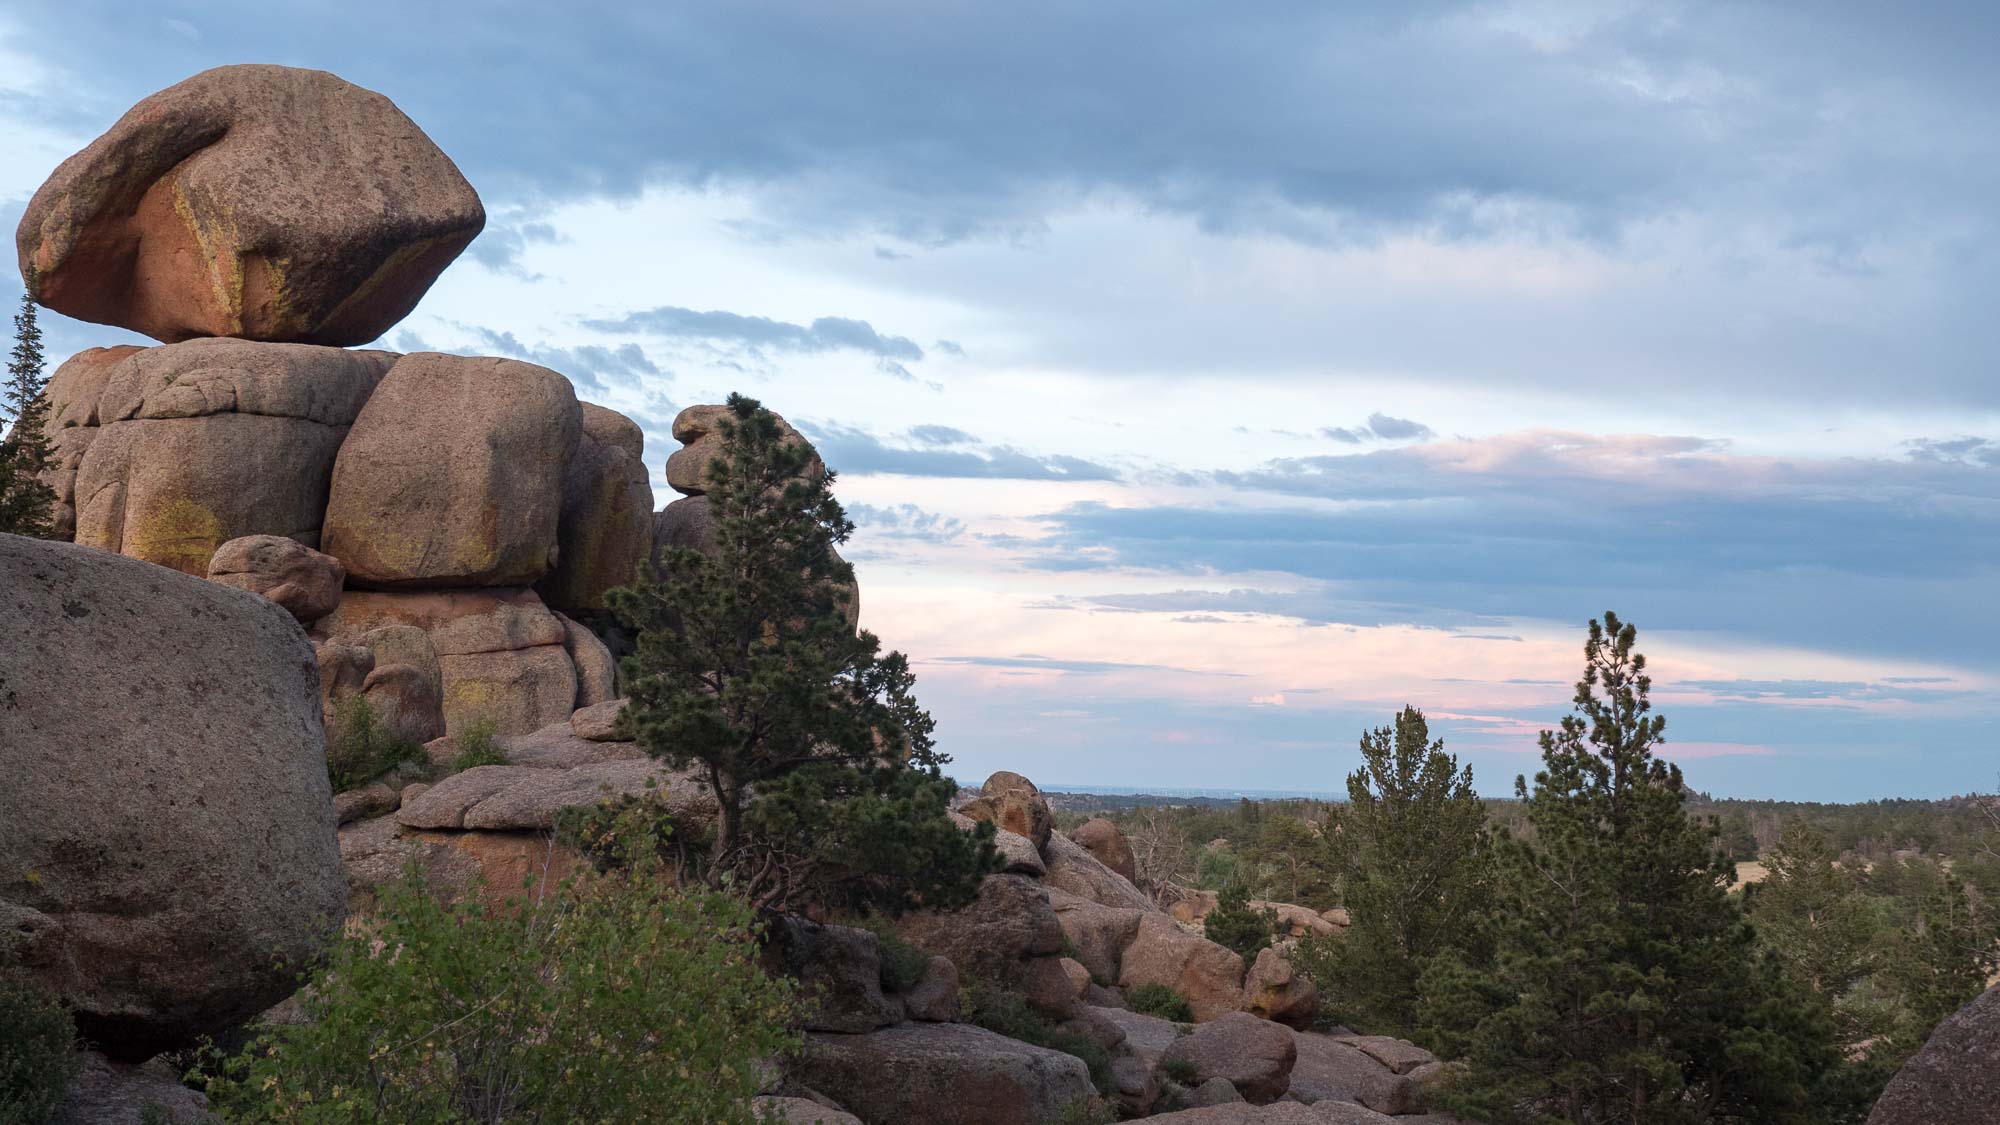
(1941, 962)
(1625, 986)
(1415, 871)
(26, 501)
(748, 671)
(1235, 924)
(1810, 912)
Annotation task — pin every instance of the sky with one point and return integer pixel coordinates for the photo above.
(1207, 382)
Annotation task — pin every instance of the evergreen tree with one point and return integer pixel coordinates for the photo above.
(1235, 924)
(1811, 914)
(1941, 962)
(1415, 870)
(26, 502)
(748, 671)
(1625, 985)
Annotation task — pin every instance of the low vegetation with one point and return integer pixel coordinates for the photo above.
(1159, 1000)
(37, 1050)
(619, 999)
(477, 747)
(1004, 1011)
(1234, 924)
(365, 751)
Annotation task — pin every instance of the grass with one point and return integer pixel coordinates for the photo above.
(367, 751)
(477, 748)
(1159, 1000)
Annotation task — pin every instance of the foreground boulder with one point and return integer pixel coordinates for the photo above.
(1955, 1077)
(168, 861)
(182, 448)
(453, 474)
(1254, 1055)
(943, 1074)
(263, 202)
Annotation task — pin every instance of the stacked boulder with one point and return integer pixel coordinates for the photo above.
(441, 524)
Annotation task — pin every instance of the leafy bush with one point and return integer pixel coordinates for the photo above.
(365, 751)
(1233, 925)
(619, 833)
(1159, 1000)
(902, 963)
(1005, 1011)
(620, 998)
(477, 748)
(37, 1050)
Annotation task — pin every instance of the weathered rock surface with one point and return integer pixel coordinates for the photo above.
(1017, 853)
(992, 938)
(605, 530)
(1147, 1037)
(840, 970)
(453, 474)
(698, 430)
(1295, 920)
(185, 864)
(305, 582)
(943, 1074)
(596, 671)
(1332, 1068)
(1011, 801)
(1076, 870)
(1272, 990)
(1397, 1056)
(368, 801)
(1255, 1055)
(805, 1111)
(109, 1093)
(500, 652)
(557, 747)
(1102, 839)
(199, 443)
(262, 202)
(935, 998)
(1210, 976)
(597, 722)
(1215, 1091)
(1280, 1113)
(1100, 933)
(494, 866)
(404, 702)
(524, 798)
(1955, 1077)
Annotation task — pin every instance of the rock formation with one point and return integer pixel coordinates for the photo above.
(261, 202)
(1955, 1077)
(168, 860)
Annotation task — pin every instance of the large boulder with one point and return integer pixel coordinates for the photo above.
(1100, 933)
(1012, 802)
(1274, 990)
(943, 1074)
(605, 530)
(1296, 921)
(527, 798)
(1102, 839)
(169, 860)
(1338, 1069)
(72, 395)
(192, 445)
(1073, 868)
(1254, 1055)
(839, 968)
(453, 474)
(305, 582)
(992, 938)
(596, 671)
(1210, 976)
(489, 867)
(501, 654)
(558, 747)
(255, 201)
(1955, 1077)
(699, 430)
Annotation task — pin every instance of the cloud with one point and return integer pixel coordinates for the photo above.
(933, 434)
(1966, 450)
(1380, 426)
(1067, 667)
(757, 333)
(593, 365)
(905, 521)
(857, 451)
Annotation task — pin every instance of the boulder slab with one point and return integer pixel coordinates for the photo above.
(943, 1074)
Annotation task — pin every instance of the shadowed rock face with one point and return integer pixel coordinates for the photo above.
(1956, 1077)
(167, 850)
(262, 202)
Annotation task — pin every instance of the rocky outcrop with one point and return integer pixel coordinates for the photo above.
(1072, 868)
(109, 1093)
(1273, 990)
(1103, 840)
(839, 971)
(526, 798)
(1338, 1069)
(596, 671)
(501, 653)
(453, 475)
(943, 1074)
(303, 581)
(1162, 953)
(605, 530)
(1009, 935)
(1011, 801)
(1254, 1055)
(1099, 933)
(1955, 1077)
(260, 202)
(493, 867)
(192, 445)
(167, 883)
(597, 722)
(557, 747)
(698, 429)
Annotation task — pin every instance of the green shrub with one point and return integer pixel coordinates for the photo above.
(37, 1050)
(1005, 1011)
(1233, 925)
(1159, 1000)
(1179, 1070)
(1087, 1111)
(902, 963)
(477, 748)
(619, 833)
(619, 998)
(365, 751)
